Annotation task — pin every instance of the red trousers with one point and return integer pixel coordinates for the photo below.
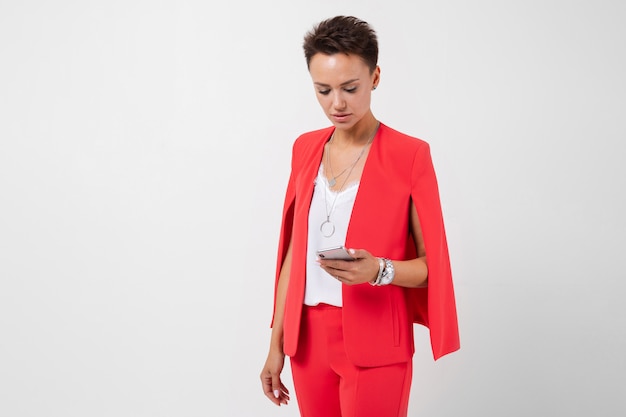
(327, 384)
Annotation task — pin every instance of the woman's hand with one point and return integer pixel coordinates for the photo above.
(273, 387)
(364, 267)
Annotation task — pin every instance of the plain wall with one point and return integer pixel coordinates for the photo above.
(144, 151)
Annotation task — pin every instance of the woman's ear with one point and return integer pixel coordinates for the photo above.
(375, 77)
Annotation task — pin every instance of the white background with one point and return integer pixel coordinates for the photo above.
(144, 151)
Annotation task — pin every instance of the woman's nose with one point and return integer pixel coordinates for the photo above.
(338, 101)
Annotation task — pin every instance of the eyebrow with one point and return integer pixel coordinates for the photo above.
(342, 84)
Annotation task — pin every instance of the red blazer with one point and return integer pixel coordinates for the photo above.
(377, 321)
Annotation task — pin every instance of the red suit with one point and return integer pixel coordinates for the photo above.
(377, 321)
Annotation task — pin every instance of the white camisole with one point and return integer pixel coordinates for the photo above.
(321, 287)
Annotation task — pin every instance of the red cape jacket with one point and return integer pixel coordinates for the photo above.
(377, 321)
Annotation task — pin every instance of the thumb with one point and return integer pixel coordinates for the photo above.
(276, 386)
(358, 253)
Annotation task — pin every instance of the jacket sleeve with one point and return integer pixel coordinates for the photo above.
(433, 306)
(286, 228)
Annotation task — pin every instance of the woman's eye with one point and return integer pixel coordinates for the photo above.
(347, 90)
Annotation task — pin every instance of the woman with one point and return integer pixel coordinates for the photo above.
(347, 325)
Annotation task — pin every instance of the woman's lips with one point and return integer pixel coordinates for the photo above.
(341, 117)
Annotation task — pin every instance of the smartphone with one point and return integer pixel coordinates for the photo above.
(337, 252)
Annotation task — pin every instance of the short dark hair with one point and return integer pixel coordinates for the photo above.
(342, 34)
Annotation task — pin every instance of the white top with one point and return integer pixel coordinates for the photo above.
(321, 287)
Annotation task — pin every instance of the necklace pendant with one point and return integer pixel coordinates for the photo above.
(327, 228)
(332, 182)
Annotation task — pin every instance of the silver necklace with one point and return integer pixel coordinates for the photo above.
(328, 227)
(333, 178)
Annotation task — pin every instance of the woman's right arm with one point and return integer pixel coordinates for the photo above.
(273, 387)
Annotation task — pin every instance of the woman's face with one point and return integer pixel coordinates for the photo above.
(343, 86)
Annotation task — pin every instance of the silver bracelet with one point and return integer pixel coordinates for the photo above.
(386, 274)
(381, 267)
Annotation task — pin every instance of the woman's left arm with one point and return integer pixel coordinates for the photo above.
(411, 273)
(414, 272)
